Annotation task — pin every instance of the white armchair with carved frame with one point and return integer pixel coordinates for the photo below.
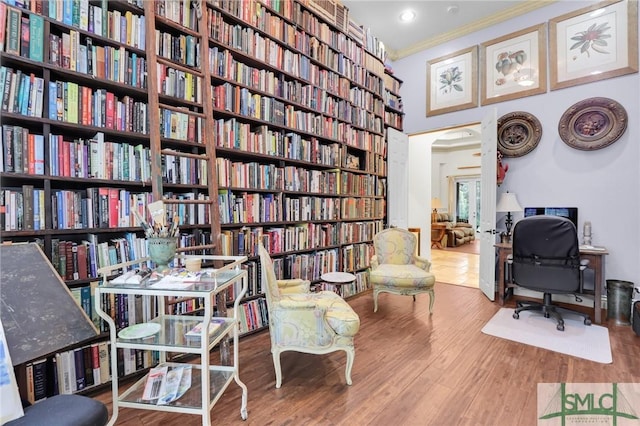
(396, 269)
(304, 321)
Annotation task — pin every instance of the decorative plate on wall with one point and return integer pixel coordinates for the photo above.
(518, 133)
(593, 123)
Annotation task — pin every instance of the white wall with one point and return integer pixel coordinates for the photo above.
(603, 184)
(451, 163)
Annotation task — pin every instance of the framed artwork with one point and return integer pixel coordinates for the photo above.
(452, 82)
(514, 66)
(594, 43)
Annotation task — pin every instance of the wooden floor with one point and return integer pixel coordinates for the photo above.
(410, 369)
(458, 268)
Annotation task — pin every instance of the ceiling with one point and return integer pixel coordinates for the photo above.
(437, 21)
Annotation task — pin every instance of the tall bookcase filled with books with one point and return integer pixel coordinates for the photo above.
(254, 121)
(76, 154)
(102, 114)
(300, 108)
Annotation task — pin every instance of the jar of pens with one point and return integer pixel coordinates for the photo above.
(162, 238)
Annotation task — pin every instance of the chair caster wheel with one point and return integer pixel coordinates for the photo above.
(587, 321)
(560, 327)
(516, 315)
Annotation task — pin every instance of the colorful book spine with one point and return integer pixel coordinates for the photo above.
(36, 42)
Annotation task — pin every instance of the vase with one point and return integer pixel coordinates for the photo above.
(162, 251)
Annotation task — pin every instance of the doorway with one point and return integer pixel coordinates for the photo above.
(467, 200)
(456, 181)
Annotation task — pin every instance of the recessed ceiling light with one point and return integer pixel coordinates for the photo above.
(407, 16)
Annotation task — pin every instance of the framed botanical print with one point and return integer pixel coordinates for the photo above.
(594, 43)
(452, 82)
(514, 66)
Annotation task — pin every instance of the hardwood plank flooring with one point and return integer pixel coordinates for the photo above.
(411, 368)
(453, 267)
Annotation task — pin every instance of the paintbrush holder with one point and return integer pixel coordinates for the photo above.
(162, 251)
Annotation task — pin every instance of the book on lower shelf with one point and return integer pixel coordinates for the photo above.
(196, 331)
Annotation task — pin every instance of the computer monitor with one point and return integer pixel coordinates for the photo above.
(570, 213)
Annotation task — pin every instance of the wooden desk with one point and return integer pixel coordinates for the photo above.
(596, 262)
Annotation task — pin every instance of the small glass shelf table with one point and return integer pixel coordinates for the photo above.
(208, 381)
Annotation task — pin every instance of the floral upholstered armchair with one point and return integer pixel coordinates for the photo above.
(304, 321)
(396, 269)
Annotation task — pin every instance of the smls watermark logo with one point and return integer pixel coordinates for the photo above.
(615, 404)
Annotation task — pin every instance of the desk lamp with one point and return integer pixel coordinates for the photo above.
(435, 204)
(508, 203)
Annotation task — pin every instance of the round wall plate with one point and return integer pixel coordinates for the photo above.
(518, 133)
(593, 123)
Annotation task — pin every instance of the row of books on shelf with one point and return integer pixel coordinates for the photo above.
(391, 99)
(376, 163)
(97, 207)
(189, 214)
(181, 126)
(21, 34)
(78, 369)
(93, 17)
(253, 315)
(179, 84)
(393, 119)
(307, 266)
(342, 105)
(253, 42)
(359, 208)
(22, 151)
(23, 209)
(68, 51)
(305, 208)
(241, 101)
(72, 103)
(80, 260)
(257, 15)
(297, 237)
(177, 169)
(233, 134)
(22, 93)
(248, 208)
(96, 158)
(183, 12)
(181, 48)
(243, 207)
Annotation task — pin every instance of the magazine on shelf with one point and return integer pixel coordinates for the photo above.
(170, 386)
(154, 381)
(165, 386)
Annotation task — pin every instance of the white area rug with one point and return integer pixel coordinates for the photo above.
(583, 341)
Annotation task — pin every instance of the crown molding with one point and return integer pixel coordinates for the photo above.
(521, 9)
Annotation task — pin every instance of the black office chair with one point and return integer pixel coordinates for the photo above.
(546, 258)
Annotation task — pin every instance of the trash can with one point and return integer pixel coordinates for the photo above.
(619, 294)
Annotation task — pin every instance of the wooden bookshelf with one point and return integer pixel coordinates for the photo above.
(254, 121)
